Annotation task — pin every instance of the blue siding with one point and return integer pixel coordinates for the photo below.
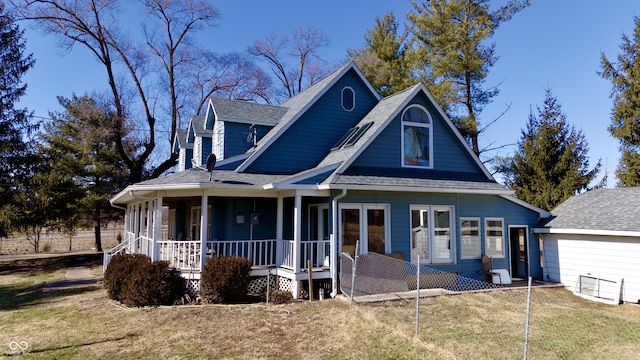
(224, 211)
(235, 137)
(309, 139)
(206, 149)
(315, 179)
(448, 153)
(187, 159)
(480, 206)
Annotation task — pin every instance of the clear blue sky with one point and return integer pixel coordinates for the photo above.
(551, 44)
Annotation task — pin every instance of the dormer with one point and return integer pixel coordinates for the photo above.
(184, 150)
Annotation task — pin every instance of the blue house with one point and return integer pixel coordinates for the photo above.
(337, 164)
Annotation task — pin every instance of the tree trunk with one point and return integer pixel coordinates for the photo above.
(97, 229)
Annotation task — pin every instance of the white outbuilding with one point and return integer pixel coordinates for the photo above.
(591, 244)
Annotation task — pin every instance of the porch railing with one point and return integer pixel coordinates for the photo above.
(186, 255)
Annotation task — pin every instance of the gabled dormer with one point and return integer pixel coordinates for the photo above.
(184, 150)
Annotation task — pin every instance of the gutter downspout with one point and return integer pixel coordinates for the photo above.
(334, 243)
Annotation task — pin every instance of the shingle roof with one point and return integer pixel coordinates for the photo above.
(199, 176)
(180, 141)
(240, 110)
(600, 209)
(198, 126)
(417, 178)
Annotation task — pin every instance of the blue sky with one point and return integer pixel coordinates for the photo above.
(551, 44)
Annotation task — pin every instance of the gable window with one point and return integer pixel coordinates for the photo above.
(494, 237)
(348, 99)
(470, 238)
(432, 234)
(417, 137)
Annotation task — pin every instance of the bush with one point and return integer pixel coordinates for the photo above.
(225, 279)
(280, 297)
(154, 284)
(119, 271)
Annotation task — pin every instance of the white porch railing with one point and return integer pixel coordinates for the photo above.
(130, 245)
(186, 255)
(183, 255)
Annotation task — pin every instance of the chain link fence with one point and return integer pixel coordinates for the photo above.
(375, 274)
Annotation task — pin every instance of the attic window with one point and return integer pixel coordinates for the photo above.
(417, 139)
(348, 99)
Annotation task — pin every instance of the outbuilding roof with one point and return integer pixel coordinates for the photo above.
(600, 210)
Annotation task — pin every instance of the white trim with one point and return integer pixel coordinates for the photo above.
(353, 95)
(422, 189)
(232, 159)
(543, 213)
(452, 260)
(526, 244)
(301, 176)
(404, 123)
(471, 218)
(587, 232)
(249, 122)
(362, 208)
(504, 247)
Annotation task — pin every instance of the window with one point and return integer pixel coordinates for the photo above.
(416, 137)
(366, 223)
(432, 234)
(494, 237)
(470, 238)
(348, 99)
(344, 138)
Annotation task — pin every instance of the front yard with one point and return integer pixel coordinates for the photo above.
(86, 324)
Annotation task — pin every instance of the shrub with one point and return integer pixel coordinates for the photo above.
(280, 297)
(119, 271)
(225, 279)
(154, 284)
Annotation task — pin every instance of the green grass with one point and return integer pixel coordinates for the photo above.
(85, 324)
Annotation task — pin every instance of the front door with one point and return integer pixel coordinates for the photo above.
(519, 252)
(367, 224)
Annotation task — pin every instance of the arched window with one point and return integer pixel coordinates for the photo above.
(348, 99)
(417, 138)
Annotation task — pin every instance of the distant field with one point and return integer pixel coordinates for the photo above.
(59, 243)
(84, 324)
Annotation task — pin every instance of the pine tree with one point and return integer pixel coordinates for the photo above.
(625, 116)
(79, 147)
(451, 50)
(15, 152)
(382, 58)
(551, 162)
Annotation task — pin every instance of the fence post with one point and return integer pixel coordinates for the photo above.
(526, 328)
(353, 271)
(418, 296)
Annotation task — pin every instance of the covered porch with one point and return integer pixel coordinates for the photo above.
(283, 233)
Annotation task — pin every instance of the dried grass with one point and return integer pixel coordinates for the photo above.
(471, 326)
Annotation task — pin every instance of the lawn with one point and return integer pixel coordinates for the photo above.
(85, 324)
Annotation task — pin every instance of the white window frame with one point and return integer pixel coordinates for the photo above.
(494, 253)
(429, 126)
(364, 246)
(476, 248)
(353, 98)
(431, 233)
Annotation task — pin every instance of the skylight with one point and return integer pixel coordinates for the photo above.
(344, 138)
(358, 134)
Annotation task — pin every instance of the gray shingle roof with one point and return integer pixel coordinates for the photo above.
(198, 126)
(230, 110)
(181, 140)
(601, 209)
(418, 179)
(198, 176)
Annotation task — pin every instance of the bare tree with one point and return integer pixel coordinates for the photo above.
(304, 67)
(132, 67)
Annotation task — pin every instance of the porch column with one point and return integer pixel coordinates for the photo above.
(204, 233)
(157, 229)
(279, 227)
(297, 238)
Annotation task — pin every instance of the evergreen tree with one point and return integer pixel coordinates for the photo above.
(551, 162)
(80, 147)
(625, 116)
(451, 50)
(15, 152)
(382, 58)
